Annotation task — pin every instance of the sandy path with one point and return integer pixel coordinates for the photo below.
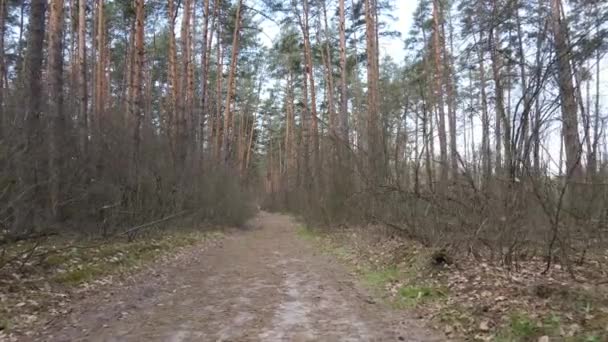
(264, 284)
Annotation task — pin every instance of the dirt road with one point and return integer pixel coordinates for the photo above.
(263, 284)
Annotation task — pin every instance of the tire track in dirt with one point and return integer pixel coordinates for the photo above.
(263, 284)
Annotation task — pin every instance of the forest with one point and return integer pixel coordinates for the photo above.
(488, 139)
(489, 134)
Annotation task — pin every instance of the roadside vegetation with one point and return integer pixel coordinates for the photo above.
(466, 298)
(40, 279)
(484, 144)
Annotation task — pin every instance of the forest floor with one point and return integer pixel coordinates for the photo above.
(474, 299)
(266, 283)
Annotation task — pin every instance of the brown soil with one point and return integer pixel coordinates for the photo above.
(264, 284)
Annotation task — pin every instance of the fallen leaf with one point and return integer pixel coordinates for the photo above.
(484, 326)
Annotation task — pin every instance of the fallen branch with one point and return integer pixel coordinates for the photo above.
(135, 229)
(26, 237)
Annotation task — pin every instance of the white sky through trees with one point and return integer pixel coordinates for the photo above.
(395, 48)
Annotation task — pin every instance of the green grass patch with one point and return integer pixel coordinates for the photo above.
(307, 233)
(420, 292)
(522, 327)
(592, 338)
(55, 260)
(342, 253)
(412, 295)
(81, 275)
(380, 277)
(5, 324)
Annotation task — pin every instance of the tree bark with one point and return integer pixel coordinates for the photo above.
(567, 92)
(55, 103)
(343, 120)
(501, 116)
(174, 86)
(451, 101)
(228, 120)
(32, 139)
(3, 8)
(218, 91)
(437, 51)
(81, 76)
(137, 113)
(204, 76)
(375, 141)
(185, 109)
(309, 71)
(485, 120)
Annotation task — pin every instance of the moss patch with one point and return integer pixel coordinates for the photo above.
(307, 233)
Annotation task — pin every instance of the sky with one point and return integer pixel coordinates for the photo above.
(404, 11)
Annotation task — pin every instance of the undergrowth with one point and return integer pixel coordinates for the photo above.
(43, 280)
(474, 300)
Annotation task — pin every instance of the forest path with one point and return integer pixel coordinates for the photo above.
(263, 284)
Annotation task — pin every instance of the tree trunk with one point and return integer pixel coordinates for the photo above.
(204, 76)
(185, 110)
(451, 98)
(593, 162)
(100, 67)
(501, 116)
(485, 120)
(27, 167)
(218, 91)
(228, 120)
(290, 131)
(437, 51)
(3, 8)
(537, 105)
(375, 141)
(137, 113)
(83, 99)
(55, 103)
(314, 128)
(567, 92)
(330, 75)
(174, 88)
(343, 120)
(522, 153)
